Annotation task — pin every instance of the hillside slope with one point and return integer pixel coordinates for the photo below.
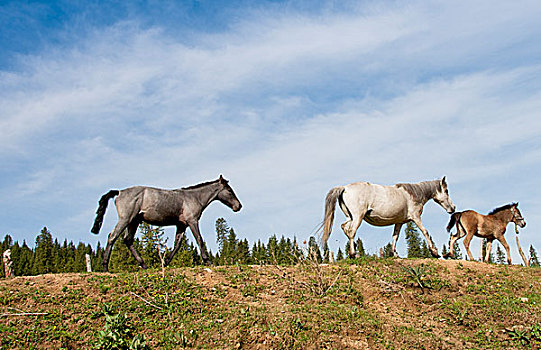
(367, 304)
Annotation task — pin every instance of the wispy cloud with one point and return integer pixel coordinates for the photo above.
(286, 104)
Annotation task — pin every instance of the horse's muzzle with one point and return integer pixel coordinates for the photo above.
(237, 208)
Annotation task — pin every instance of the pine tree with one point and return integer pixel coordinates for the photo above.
(484, 251)
(79, 264)
(500, 256)
(153, 244)
(69, 256)
(444, 250)
(313, 250)
(259, 253)
(272, 250)
(122, 259)
(186, 255)
(388, 251)
(326, 253)
(23, 259)
(339, 255)
(425, 252)
(534, 261)
(222, 229)
(97, 258)
(457, 254)
(44, 254)
(359, 248)
(243, 252)
(229, 254)
(414, 241)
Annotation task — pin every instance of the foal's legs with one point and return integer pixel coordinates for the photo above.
(502, 240)
(466, 242)
(431, 246)
(459, 234)
(488, 249)
(396, 233)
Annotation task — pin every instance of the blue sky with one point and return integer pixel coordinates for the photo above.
(287, 99)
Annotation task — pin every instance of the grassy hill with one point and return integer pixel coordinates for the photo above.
(367, 304)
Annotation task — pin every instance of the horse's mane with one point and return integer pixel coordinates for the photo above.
(502, 208)
(422, 191)
(203, 184)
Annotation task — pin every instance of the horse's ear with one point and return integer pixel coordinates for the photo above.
(222, 180)
(443, 182)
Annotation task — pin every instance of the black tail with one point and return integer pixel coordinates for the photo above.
(104, 200)
(454, 218)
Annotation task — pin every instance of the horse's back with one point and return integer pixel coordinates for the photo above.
(374, 193)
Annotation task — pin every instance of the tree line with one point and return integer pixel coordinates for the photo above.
(51, 256)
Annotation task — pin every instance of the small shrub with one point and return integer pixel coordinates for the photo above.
(118, 334)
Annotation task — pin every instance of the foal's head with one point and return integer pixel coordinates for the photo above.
(442, 197)
(227, 195)
(518, 219)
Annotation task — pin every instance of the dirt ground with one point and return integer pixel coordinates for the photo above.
(369, 304)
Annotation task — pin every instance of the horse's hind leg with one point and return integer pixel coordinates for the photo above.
(350, 228)
(128, 240)
(113, 236)
(181, 231)
(351, 225)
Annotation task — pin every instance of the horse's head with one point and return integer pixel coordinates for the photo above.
(227, 195)
(442, 197)
(518, 219)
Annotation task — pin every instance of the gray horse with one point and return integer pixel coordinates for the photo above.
(383, 206)
(180, 207)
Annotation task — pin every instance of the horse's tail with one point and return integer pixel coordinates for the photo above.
(454, 219)
(330, 204)
(104, 200)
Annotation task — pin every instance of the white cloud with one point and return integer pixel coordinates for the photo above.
(285, 106)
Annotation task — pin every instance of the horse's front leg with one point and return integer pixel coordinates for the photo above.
(396, 233)
(431, 245)
(194, 227)
(181, 230)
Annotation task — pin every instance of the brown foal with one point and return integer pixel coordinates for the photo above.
(470, 223)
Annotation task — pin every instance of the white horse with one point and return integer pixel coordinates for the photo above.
(383, 206)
